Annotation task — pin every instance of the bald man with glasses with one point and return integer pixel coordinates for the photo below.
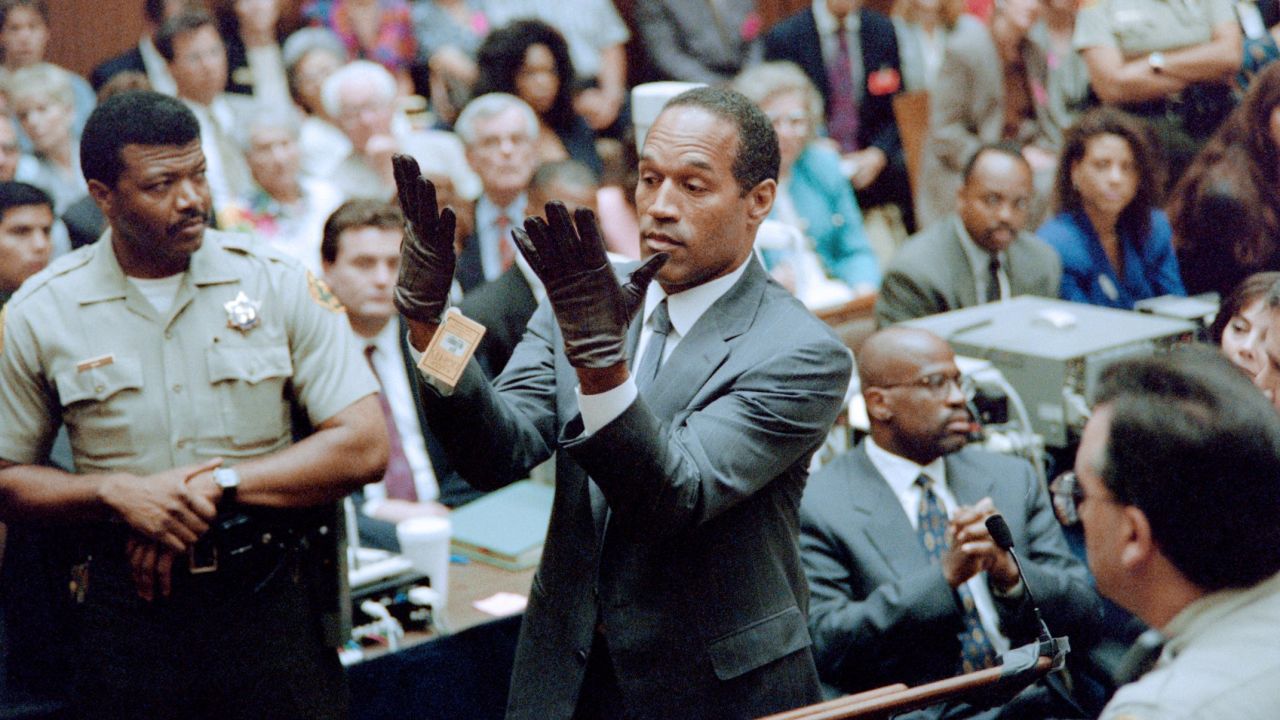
(906, 583)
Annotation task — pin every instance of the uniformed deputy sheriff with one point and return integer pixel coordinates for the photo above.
(176, 356)
(1177, 483)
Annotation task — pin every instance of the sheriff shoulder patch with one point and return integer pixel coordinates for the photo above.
(323, 296)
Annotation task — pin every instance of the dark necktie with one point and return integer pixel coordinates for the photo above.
(976, 651)
(647, 368)
(398, 478)
(993, 278)
(842, 114)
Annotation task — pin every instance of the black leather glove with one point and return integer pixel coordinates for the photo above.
(427, 257)
(592, 309)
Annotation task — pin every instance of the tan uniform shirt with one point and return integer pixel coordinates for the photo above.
(142, 393)
(1139, 27)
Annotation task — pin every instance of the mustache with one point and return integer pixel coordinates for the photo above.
(205, 216)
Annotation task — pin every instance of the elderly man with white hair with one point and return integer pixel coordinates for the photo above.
(361, 97)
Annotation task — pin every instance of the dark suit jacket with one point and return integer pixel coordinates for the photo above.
(504, 307)
(796, 39)
(454, 490)
(931, 273)
(129, 60)
(681, 544)
(881, 613)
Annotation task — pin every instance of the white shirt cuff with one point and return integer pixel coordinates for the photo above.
(603, 408)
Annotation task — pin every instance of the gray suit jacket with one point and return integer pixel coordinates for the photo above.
(966, 110)
(695, 42)
(682, 542)
(881, 613)
(931, 273)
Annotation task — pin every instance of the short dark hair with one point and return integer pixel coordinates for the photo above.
(1004, 147)
(40, 6)
(1135, 218)
(153, 10)
(20, 194)
(1255, 287)
(570, 172)
(137, 117)
(758, 157)
(188, 20)
(357, 213)
(1196, 448)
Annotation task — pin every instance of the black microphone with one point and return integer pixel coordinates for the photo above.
(1003, 538)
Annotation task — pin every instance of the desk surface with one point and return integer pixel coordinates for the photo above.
(472, 581)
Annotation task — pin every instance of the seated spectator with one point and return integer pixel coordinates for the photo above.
(1068, 85)
(284, 208)
(12, 160)
(923, 28)
(906, 583)
(360, 254)
(697, 41)
(529, 59)
(505, 305)
(979, 254)
(1225, 211)
(1176, 487)
(991, 88)
(813, 195)
(597, 39)
(249, 30)
(498, 130)
(26, 222)
(851, 55)
(361, 96)
(197, 61)
(449, 33)
(24, 38)
(143, 57)
(1170, 63)
(1242, 322)
(1115, 245)
(43, 102)
(377, 30)
(311, 55)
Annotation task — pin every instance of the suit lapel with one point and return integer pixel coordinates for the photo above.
(705, 348)
(968, 488)
(887, 529)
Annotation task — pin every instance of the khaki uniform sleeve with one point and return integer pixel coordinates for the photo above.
(1093, 26)
(28, 424)
(330, 372)
(1219, 12)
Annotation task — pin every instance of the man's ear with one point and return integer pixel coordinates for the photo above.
(1138, 544)
(760, 200)
(877, 405)
(102, 196)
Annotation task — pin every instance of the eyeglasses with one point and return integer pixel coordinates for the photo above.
(938, 385)
(798, 121)
(1068, 493)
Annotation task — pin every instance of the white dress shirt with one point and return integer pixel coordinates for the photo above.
(901, 475)
(488, 235)
(684, 309)
(980, 262)
(389, 365)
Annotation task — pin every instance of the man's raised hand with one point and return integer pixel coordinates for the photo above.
(427, 257)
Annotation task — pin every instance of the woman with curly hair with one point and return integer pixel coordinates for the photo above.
(1115, 245)
(530, 59)
(1226, 209)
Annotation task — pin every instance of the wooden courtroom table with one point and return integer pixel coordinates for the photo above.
(474, 580)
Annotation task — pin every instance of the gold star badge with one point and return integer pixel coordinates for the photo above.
(242, 313)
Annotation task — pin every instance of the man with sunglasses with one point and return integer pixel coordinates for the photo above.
(1177, 483)
(906, 582)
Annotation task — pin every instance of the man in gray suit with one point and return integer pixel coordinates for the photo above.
(670, 583)
(980, 254)
(907, 584)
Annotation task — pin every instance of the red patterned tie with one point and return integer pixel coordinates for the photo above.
(842, 115)
(398, 479)
(506, 246)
